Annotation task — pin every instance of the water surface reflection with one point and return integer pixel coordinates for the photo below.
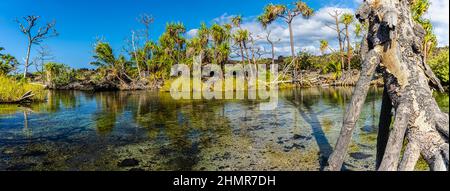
(151, 131)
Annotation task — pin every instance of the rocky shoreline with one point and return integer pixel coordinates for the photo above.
(311, 79)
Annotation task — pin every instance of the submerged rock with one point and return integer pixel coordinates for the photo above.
(35, 154)
(21, 167)
(8, 152)
(295, 145)
(297, 136)
(359, 155)
(136, 169)
(128, 163)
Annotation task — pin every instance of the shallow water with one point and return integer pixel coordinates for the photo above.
(151, 131)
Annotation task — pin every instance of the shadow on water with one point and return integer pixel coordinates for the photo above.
(304, 106)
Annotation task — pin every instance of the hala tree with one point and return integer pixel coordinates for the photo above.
(240, 35)
(172, 43)
(287, 13)
(221, 36)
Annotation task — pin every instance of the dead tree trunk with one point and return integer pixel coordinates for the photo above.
(383, 127)
(336, 15)
(394, 41)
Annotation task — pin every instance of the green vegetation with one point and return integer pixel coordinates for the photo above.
(145, 63)
(440, 64)
(419, 8)
(7, 63)
(287, 14)
(58, 74)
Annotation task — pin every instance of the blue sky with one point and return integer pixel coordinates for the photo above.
(79, 22)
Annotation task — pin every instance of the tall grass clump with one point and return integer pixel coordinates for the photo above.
(12, 90)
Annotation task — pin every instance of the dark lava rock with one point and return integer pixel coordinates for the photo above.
(47, 163)
(20, 167)
(165, 151)
(136, 169)
(359, 155)
(368, 128)
(35, 154)
(226, 156)
(128, 163)
(295, 145)
(297, 136)
(256, 127)
(274, 124)
(245, 119)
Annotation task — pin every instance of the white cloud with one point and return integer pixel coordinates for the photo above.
(225, 18)
(439, 16)
(192, 33)
(307, 32)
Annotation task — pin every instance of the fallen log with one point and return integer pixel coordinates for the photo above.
(23, 99)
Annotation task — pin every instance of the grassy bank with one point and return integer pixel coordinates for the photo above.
(12, 90)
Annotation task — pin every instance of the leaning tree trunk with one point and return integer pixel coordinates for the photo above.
(395, 41)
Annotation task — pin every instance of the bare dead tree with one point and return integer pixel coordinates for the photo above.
(34, 37)
(347, 20)
(271, 43)
(135, 51)
(44, 55)
(146, 20)
(252, 48)
(394, 46)
(336, 15)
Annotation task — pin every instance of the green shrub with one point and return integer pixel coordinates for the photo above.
(440, 64)
(7, 63)
(59, 74)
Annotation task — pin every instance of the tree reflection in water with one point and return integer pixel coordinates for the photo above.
(165, 134)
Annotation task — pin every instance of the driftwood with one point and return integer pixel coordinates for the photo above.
(394, 43)
(23, 99)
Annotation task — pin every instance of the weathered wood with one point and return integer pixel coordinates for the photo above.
(395, 142)
(438, 163)
(410, 157)
(407, 80)
(353, 110)
(383, 127)
(28, 95)
(442, 123)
